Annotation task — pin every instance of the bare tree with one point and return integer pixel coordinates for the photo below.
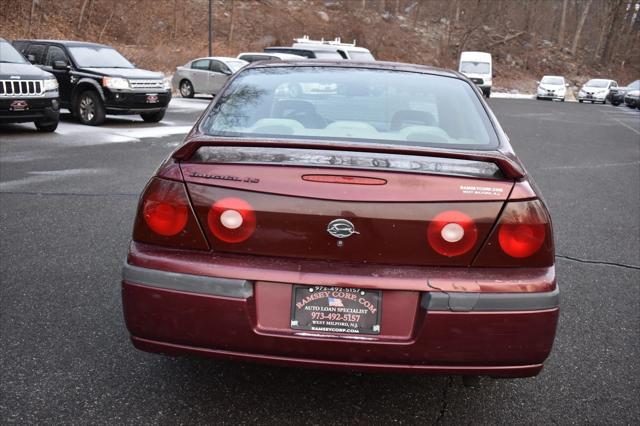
(563, 20)
(232, 24)
(33, 9)
(583, 17)
(82, 9)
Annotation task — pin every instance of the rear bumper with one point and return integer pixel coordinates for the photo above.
(435, 332)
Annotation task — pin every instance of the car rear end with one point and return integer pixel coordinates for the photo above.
(338, 252)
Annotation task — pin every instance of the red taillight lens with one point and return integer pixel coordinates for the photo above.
(165, 217)
(521, 240)
(452, 233)
(522, 237)
(232, 220)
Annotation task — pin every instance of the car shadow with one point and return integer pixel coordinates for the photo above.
(289, 392)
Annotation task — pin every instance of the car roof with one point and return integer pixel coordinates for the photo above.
(217, 58)
(380, 65)
(273, 54)
(329, 47)
(68, 43)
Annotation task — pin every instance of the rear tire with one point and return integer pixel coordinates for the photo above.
(46, 127)
(153, 117)
(615, 103)
(487, 93)
(89, 108)
(580, 100)
(186, 89)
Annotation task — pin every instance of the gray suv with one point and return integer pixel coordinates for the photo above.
(27, 93)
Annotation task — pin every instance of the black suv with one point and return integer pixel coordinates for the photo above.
(96, 80)
(27, 93)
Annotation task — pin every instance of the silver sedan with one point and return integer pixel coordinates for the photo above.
(205, 75)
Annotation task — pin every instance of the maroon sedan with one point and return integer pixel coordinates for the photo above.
(365, 216)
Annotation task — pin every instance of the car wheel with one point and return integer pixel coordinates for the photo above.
(89, 108)
(580, 100)
(46, 126)
(487, 94)
(615, 103)
(562, 100)
(537, 98)
(186, 89)
(153, 117)
(604, 102)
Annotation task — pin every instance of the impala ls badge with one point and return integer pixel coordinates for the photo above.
(341, 228)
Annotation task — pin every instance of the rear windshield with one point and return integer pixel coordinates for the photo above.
(354, 104)
(474, 67)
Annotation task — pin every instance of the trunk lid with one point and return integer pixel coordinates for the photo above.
(344, 206)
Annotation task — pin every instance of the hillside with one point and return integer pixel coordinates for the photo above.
(162, 34)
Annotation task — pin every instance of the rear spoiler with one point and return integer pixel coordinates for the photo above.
(508, 165)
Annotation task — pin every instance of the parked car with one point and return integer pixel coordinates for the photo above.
(617, 94)
(552, 87)
(205, 75)
(478, 67)
(322, 49)
(96, 80)
(596, 90)
(632, 98)
(403, 234)
(27, 93)
(263, 56)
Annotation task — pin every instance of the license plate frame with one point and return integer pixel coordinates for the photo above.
(339, 310)
(153, 98)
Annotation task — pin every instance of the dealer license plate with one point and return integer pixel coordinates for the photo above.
(336, 309)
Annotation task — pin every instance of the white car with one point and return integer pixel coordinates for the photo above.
(552, 87)
(596, 90)
(205, 75)
(264, 56)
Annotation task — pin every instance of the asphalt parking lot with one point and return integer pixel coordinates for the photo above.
(67, 202)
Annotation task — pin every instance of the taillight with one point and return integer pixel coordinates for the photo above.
(231, 220)
(522, 237)
(452, 233)
(165, 217)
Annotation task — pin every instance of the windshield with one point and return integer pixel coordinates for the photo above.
(474, 67)
(235, 65)
(9, 55)
(98, 57)
(361, 56)
(634, 85)
(332, 103)
(597, 83)
(558, 81)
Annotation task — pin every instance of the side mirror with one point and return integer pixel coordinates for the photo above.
(226, 72)
(31, 58)
(60, 65)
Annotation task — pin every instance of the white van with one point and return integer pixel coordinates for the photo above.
(478, 68)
